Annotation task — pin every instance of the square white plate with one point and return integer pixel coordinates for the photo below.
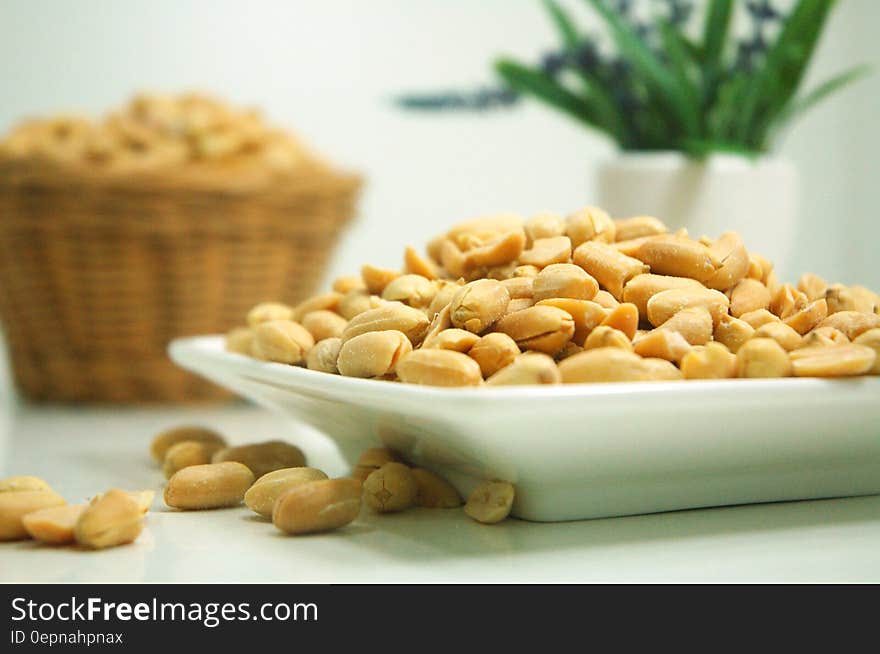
(589, 450)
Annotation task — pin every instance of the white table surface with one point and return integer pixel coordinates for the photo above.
(83, 451)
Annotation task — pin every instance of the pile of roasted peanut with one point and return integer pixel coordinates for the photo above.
(502, 300)
(270, 477)
(155, 132)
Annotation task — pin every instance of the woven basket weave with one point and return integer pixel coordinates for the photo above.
(98, 274)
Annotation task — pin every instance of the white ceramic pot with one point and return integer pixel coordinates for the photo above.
(756, 198)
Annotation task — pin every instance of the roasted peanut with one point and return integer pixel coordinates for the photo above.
(748, 295)
(525, 369)
(261, 496)
(282, 341)
(323, 302)
(267, 312)
(209, 486)
(323, 356)
(758, 317)
(733, 332)
(143, 498)
(731, 252)
(544, 225)
(390, 488)
(642, 288)
(694, 324)
(373, 459)
(664, 305)
(493, 352)
(53, 525)
(662, 344)
(625, 318)
(824, 336)
(414, 290)
(590, 224)
(439, 368)
(713, 361)
(546, 251)
(679, 257)
(871, 339)
(627, 229)
(478, 305)
(786, 301)
(571, 348)
(605, 364)
(807, 318)
(490, 502)
(853, 298)
(390, 316)
(519, 287)
(526, 271)
(110, 519)
(609, 267)
(787, 337)
(834, 361)
(446, 290)
(605, 300)
(564, 280)
(762, 357)
(324, 324)
(263, 457)
(605, 336)
(543, 328)
(376, 279)
(373, 354)
(519, 304)
(163, 442)
(239, 340)
(485, 228)
(497, 252)
(631, 247)
(357, 302)
(188, 453)
(851, 323)
(317, 506)
(459, 340)
(434, 492)
(586, 315)
(23, 483)
(17, 504)
(415, 264)
(812, 286)
(345, 285)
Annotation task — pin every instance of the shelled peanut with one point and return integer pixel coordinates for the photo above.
(156, 131)
(602, 300)
(29, 508)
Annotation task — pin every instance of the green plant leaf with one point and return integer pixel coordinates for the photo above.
(715, 30)
(540, 85)
(606, 113)
(656, 76)
(797, 107)
(680, 63)
(564, 24)
(783, 68)
(700, 148)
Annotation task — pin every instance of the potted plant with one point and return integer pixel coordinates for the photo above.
(694, 101)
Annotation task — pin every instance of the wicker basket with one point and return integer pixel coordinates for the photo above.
(98, 274)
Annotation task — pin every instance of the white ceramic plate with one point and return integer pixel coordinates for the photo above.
(590, 450)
